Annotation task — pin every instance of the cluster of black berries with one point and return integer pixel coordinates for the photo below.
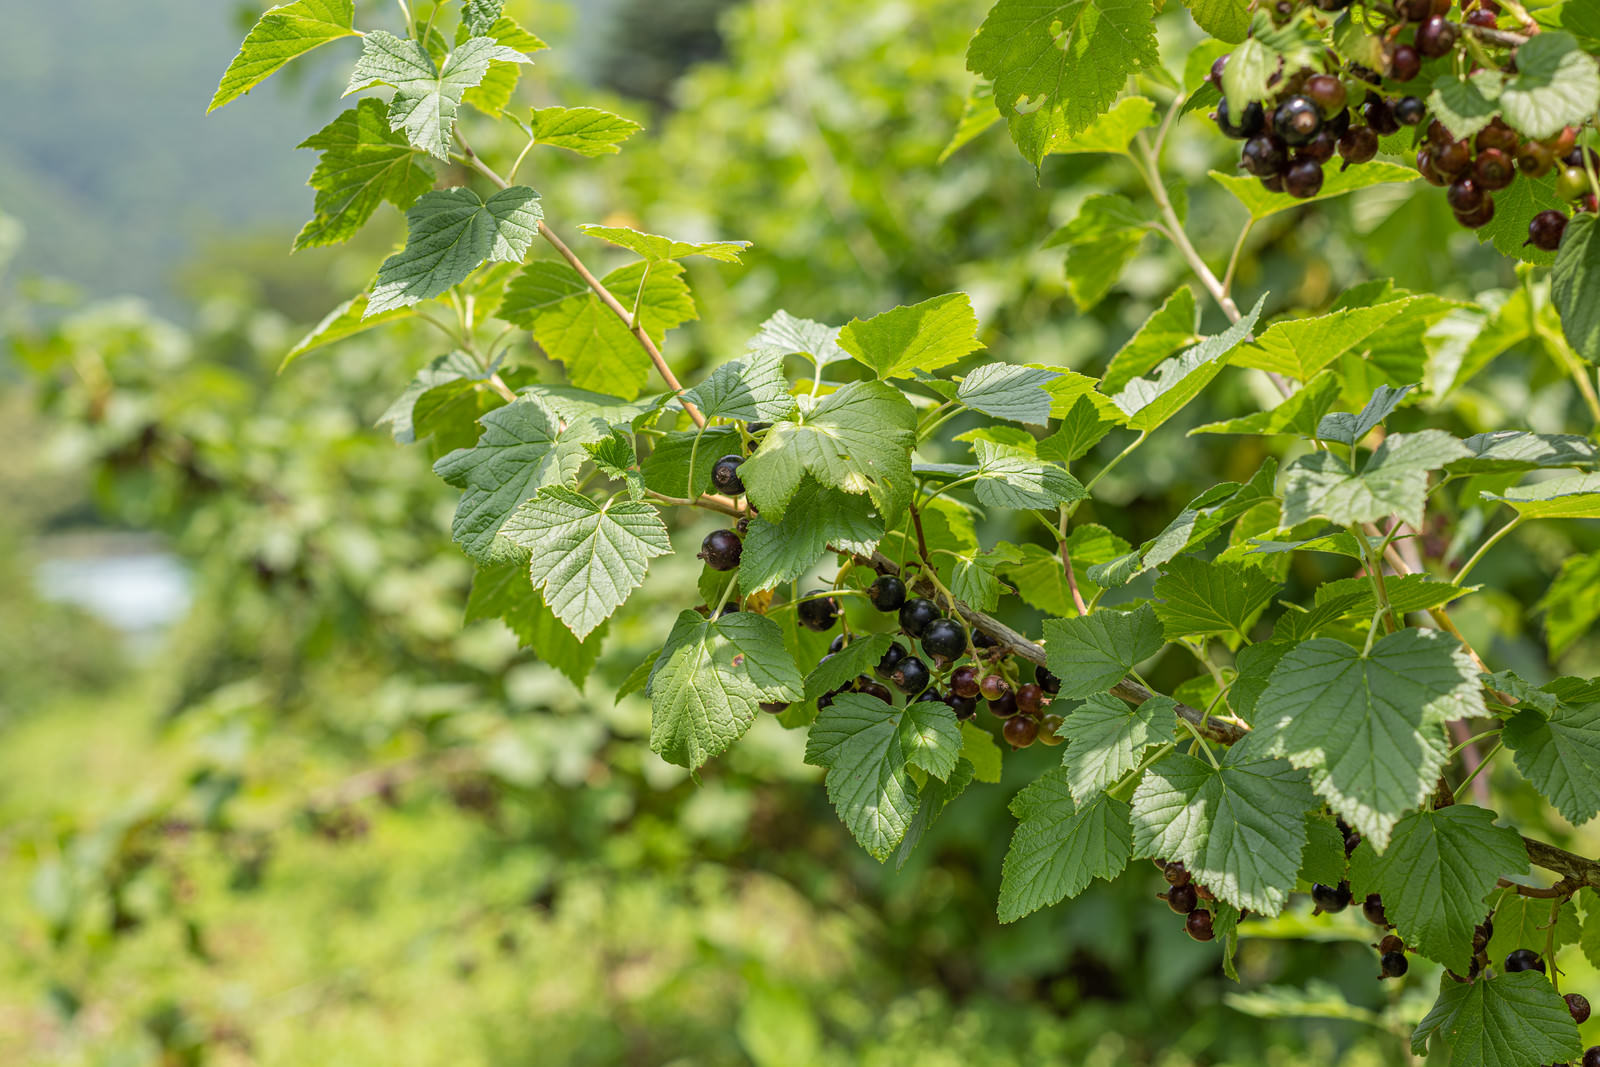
(1314, 114)
(722, 549)
(1183, 896)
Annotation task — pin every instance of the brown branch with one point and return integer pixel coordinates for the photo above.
(1072, 580)
(1494, 36)
(1560, 891)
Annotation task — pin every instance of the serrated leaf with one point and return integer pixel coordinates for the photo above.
(1082, 427)
(363, 164)
(1111, 132)
(1041, 581)
(1350, 429)
(925, 336)
(659, 249)
(1007, 391)
(1406, 593)
(978, 747)
(586, 556)
(977, 115)
(1557, 84)
(666, 468)
(502, 591)
(1261, 203)
(346, 320)
(1324, 859)
(1249, 70)
(1575, 286)
(1512, 1020)
(1368, 727)
(1240, 828)
(1149, 402)
(448, 235)
(588, 131)
(283, 33)
(1570, 607)
(1299, 348)
(1571, 496)
(1514, 207)
(790, 335)
(1510, 451)
(840, 668)
(447, 369)
(936, 796)
(932, 737)
(478, 16)
(1524, 922)
(1199, 598)
(427, 97)
(781, 551)
(1107, 737)
(1299, 414)
(1059, 846)
(1101, 240)
(1394, 480)
(1466, 105)
(1091, 653)
(751, 388)
(711, 678)
(1172, 326)
(1226, 20)
(1014, 478)
(1560, 756)
(493, 94)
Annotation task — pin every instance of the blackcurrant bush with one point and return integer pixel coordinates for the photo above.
(1524, 959)
(1545, 230)
(1331, 898)
(1464, 194)
(1405, 63)
(1391, 943)
(1410, 111)
(1358, 145)
(888, 593)
(819, 614)
(1591, 1056)
(1198, 925)
(1494, 169)
(1535, 159)
(1394, 964)
(1372, 908)
(1436, 37)
(1297, 120)
(911, 675)
(1452, 158)
(891, 659)
(964, 681)
(1474, 219)
(1047, 681)
(1182, 899)
(1264, 156)
(725, 475)
(994, 686)
(945, 638)
(1029, 699)
(1303, 179)
(1020, 730)
(1252, 121)
(1004, 706)
(916, 614)
(1176, 874)
(964, 707)
(721, 550)
(1327, 92)
(1320, 148)
(1578, 1006)
(1048, 727)
(1379, 115)
(1571, 183)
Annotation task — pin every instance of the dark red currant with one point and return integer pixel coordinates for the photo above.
(1327, 92)
(911, 675)
(1049, 725)
(1218, 65)
(1535, 159)
(888, 593)
(1029, 699)
(1452, 159)
(1372, 908)
(1578, 1006)
(1182, 898)
(1481, 18)
(1497, 135)
(869, 688)
(1264, 156)
(821, 613)
(725, 475)
(1410, 111)
(1545, 231)
(994, 686)
(1495, 169)
(1464, 194)
(1394, 964)
(721, 550)
(1198, 925)
(1414, 10)
(1405, 63)
(1391, 943)
(916, 614)
(964, 682)
(964, 707)
(1358, 145)
(1524, 959)
(1303, 179)
(1472, 220)
(1436, 37)
(1176, 874)
(1426, 168)
(1005, 706)
(1020, 730)
(945, 638)
(1380, 116)
(1320, 147)
(1331, 898)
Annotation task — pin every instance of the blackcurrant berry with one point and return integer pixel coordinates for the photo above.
(1410, 111)
(1439, 133)
(1571, 183)
(916, 614)
(1352, 841)
(721, 550)
(1591, 1056)
(819, 614)
(1391, 943)
(964, 681)
(1380, 116)
(1047, 681)
(1494, 169)
(1005, 706)
(777, 707)
(1264, 156)
(1452, 158)
(1575, 157)
(1535, 159)
(1198, 925)
(964, 707)
(725, 475)
(1545, 230)
(1578, 1006)
(1358, 144)
(1364, 74)
(945, 638)
(1497, 135)
(1436, 37)
(1320, 148)
(1218, 65)
(1049, 725)
(982, 640)
(891, 659)
(1482, 934)
(1426, 168)
(1253, 120)
(1303, 179)
(911, 675)
(1330, 5)
(1331, 898)
(1297, 120)
(1524, 959)
(1414, 10)
(867, 687)
(1182, 899)
(1020, 730)
(1273, 184)
(1481, 18)
(836, 645)
(1327, 92)
(1372, 908)
(994, 686)
(1474, 219)
(1464, 194)
(1176, 874)
(1404, 63)
(888, 593)
(1394, 964)
(1029, 699)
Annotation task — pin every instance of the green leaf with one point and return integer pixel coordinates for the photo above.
(789, 335)
(502, 591)
(1007, 391)
(363, 164)
(1299, 414)
(1406, 593)
(977, 115)
(1014, 478)
(978, 747)
(936, 796)
(1589, 940)
(1575, 286)
(346, 320)
(588, 557)
(1560, 756)
(712, 675)
(1512, 1020)
(1101, 240)
(659, 249)
(1523, 922)
(492, 95)
(1226, 20)
(1369, 728)
(1466, 106)
(1249, 69)
(781, 551)
(932, 737)
(1350, 429)
(1174, 325)
(1091, 653)
(400, 416)
(1260, 202)
(840, 668)
(1111, 132)
(1510, 451)
(1393, 481)
(283, 33)
(426, 97)
(1569, 605)
(1299, 348)
(479, 16)
(1201, 598)
(587, 131)
(1324, 859)
(1514, 207)
(925, 336)
(521, 450)
(448, 234)
(1059, 64)
(1240, 828)
(857, 439)
(1557, 84)
(1149, 402)
(1082, 427)
(575, 328)
(751, 388)
(1059, 846)
(1571, 496)
(1107, 737)
(867, 747)
(1042, 583)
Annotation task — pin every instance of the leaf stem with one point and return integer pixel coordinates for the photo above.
(1118, 458)
(1487, 756)
(1375, 572)
(1469, 742)
(1466, 568)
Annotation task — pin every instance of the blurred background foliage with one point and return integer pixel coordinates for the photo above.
(265, 799)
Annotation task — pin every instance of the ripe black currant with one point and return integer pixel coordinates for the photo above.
(725, 475)
(721, 550)
(1391, 943)
(1176, 874)
(1198, 925)
(1182, 898)
(1497, 135)
(994, 686)
(1481, 18)
(1495, 169)
(1524, 959)
(1452, 158)
(911, 675)
(1273, 184)
(836, 645)
(1252, 121)
(964, 682)
(1352, 841)
(1029, 699)
(1047, 681)
(1404, 63)
(1331, 898)
(1327, 92)
(891, 659)
(1575, 157)
(1436, 37)
(944, 638)
(1005, 706)
(1358, 144)
(819, 614)
(888, 593)
(964, 707)
(1414, 10)
(1394, 965)
(1303, 179)
(1372, 908)
(1410, 111)
(982, 640)
(1020, 730)
(1297, 120)
(1591, 1056)
(867, 687)
(1264, 156)
(1330, 5)
(1320, 148)
(1546, 229)
(777, 707)
(1426, 168)
(1379, 115)
(1048, 727)
(1578, 1006)
(1465, 194)
(1474, 219)
(916, 614)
